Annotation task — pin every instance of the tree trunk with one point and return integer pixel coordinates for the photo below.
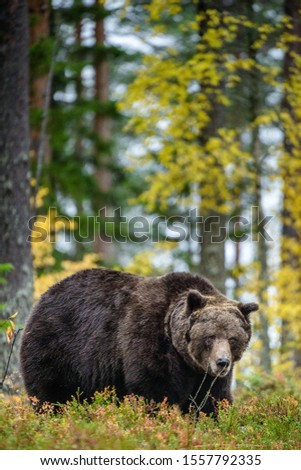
(213, 250)
(213, 242)
(39, 30)
(102, 127)
(292, 11)
(79, 95)
(261, 251)
(16, 294)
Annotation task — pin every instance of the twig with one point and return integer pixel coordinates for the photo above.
(203, 402)
(9, 357)
(193, 399)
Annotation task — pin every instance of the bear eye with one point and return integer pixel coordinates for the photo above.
(233, 341)
(209, 340)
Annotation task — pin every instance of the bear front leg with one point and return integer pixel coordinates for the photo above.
(150, 385)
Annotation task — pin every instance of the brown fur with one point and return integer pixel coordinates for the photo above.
(156, 337)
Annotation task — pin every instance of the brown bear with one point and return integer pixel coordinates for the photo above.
(173, 336)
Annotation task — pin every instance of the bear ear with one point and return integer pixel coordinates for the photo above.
(195, 300)
(246, 309)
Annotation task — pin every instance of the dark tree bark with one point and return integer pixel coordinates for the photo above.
(16, 294)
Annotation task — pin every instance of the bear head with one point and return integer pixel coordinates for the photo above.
(209, 332)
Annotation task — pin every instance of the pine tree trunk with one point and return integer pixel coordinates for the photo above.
(16, 294)
(291, 11)
(39, 30)
(213, 250)
(102, 127)
(79, 94)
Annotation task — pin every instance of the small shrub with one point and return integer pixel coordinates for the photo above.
(270, 420)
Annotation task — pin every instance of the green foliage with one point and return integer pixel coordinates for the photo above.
(41, 53)
(6, 325)
(259, 420)
(4, 269)
(76, 149)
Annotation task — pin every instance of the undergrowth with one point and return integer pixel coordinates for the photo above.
(266, 417)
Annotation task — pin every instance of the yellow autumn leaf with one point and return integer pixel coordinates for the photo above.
(13, 316)
(9, 334)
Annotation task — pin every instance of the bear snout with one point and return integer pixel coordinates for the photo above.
(221, 367)
(220, 358)
(222, 362)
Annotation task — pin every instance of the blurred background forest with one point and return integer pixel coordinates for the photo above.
(153, 136)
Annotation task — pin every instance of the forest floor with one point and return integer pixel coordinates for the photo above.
(262, 417)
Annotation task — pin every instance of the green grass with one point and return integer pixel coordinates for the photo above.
(259, 419)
